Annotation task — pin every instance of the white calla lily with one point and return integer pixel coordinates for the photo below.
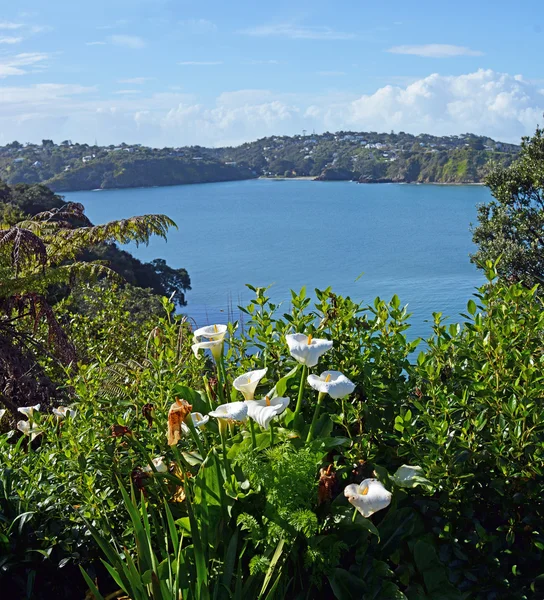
(215, 347)
(214, 336)
(263, 411)
(334, 383)
(159, 464)
(28, 411)
(211, 332)
(408, 477)
(305, 349)
(248, 382)
(368, 497)
(199, 420)
(2, 413)
(63, 411)
(28, 428)
(233, 411)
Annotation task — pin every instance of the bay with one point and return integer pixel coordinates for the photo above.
(409, 240)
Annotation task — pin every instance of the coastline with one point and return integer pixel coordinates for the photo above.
(312, 178)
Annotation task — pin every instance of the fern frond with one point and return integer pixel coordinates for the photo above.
(63, 274)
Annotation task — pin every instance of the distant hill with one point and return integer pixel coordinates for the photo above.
(374, 157)
(69, 167)
(361, 156)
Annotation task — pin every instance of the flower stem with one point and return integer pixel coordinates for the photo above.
(253, 438)
(320, 398)
(196, 436)
(303, 377)
(271, 434)
(223, 433)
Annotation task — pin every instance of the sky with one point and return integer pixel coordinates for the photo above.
(214, 73)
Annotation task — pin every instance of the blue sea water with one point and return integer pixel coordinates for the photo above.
(409, 240)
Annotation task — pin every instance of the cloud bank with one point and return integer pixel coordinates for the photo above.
(500, 105)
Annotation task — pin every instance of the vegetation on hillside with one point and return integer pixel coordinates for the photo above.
(67, 167)
(375, 157)
(20, 201)
(366, 157)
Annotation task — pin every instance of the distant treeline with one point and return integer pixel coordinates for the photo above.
(374, 157)
(366, 157)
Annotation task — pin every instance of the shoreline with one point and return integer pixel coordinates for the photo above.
(312, 178)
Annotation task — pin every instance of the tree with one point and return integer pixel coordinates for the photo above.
(35, 255)
(511, 227)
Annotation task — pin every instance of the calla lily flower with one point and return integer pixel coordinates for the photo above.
(368, 497)
(248, 382)
(211, 332)
(2, 413)
(334, 383)
(305, 349)
(28, 411)
(215, 347)
(199, 420)
(27, 428)
(229, 413)
(408, 477)
(214, 336)
(263, 411)
(63, 411)
(159, 465)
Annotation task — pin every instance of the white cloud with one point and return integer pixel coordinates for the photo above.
(497, 104)
(11, 65)
(500, 105)
(127, 92)
(10, 25)
(127, 41)
(11, 40)
(295, 32)
(435, 51)
(201, 63)
(198, 26)
(95, 43)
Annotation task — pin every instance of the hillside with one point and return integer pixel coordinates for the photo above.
(69, 167)
(365, 157)
(374, 157)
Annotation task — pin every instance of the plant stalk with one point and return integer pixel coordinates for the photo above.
(320, 398)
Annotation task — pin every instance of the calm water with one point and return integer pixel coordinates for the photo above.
(412, 240)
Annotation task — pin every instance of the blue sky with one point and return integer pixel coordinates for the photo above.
(164, 72)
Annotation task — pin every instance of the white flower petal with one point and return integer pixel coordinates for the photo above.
(408, 477)
(215, 346)
(211, 332)
(233, 411)
(248, 382)
(2, 412)
(334, 383)
(28, 411)
(263, 411)
(63, 411)
(307, 350)
(368, 497)
(199, 420)
(27, 428)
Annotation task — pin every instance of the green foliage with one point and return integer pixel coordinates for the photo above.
(237, 516)
(510, 226)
